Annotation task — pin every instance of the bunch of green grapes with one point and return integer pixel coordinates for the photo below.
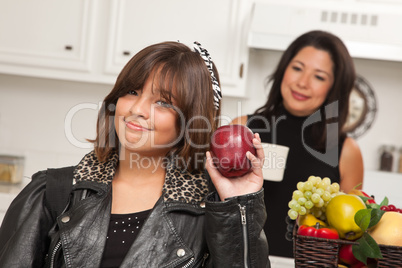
(312, 197)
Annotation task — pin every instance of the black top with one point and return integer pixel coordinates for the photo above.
(123, 229)
(300, 164)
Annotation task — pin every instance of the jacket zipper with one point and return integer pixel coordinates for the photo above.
(56, 248)
(58, 245)
(245, 240)
(204, 259)
(189, 263)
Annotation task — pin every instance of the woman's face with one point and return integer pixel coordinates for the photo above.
(145, 123)
(307, 81)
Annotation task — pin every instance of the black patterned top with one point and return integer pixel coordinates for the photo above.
(123, 229)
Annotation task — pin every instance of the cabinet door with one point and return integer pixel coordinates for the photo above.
(217, 25)
(50, 34)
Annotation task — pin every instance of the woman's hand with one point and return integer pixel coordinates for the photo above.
(251, 182)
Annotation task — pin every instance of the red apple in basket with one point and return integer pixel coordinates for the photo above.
(229, 145)
(346, 256)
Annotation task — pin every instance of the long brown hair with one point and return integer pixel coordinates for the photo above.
(181, 75)
(344, 74)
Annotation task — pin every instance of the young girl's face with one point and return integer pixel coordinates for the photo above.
(145, 123)
(307, 81)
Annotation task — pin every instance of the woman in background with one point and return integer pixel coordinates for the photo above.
(306, 110)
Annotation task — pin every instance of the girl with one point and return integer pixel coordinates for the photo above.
(141, 198)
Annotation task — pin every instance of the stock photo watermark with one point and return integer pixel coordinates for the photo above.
(272, 160)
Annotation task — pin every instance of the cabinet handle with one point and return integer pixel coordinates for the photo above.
(126, 53)
(68, 47)
(241, 70)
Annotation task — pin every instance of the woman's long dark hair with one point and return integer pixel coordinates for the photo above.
(344, 79)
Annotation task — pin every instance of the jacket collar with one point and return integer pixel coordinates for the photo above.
(180, 185)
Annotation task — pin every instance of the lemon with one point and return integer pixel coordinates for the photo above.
(309, 220)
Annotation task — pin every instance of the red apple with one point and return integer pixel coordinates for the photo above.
(229, 145)
(361, 193)
(346, 256)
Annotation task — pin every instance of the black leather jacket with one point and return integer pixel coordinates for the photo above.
(177, 233)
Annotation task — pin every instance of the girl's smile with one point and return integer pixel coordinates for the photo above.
(135, 126)
(144, 123)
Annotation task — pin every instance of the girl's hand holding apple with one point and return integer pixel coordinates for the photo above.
(240, 172)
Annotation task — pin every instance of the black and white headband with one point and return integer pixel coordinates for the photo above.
(208, 61)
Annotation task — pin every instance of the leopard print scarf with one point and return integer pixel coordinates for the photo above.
(179, 185)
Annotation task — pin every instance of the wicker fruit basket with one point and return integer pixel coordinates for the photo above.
(321, 252)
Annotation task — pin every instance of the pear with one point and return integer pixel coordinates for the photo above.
(340, 215)
(388, 231)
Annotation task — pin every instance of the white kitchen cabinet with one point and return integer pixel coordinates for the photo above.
(91, 40)
(383, 2)
(45, 35)
(367, 28)
(217, 25)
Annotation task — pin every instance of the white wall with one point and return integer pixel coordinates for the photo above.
(32, 119)
(33, 111)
